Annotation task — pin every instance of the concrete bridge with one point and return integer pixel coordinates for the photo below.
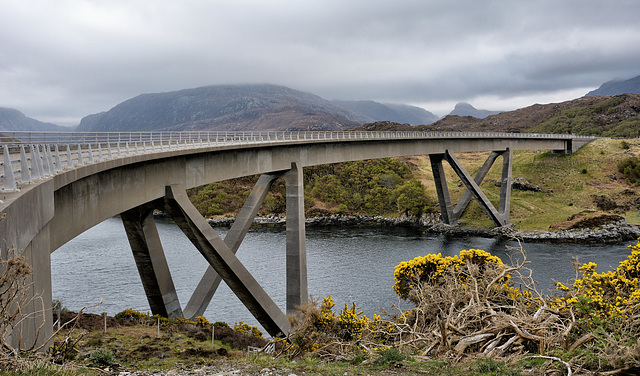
(57, 185)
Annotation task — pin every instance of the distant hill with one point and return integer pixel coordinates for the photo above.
(14, 120)
(224, 108)
(399, 113)
(610, 116)
(616, 87)
(465, 109)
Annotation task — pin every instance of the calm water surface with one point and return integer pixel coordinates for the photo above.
(350, 263)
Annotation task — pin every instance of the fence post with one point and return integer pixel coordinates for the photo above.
(90, 154)
(80, 161)
(58, 162)
(25, 174)
(9, 179)
(69, 158)
(49, 159)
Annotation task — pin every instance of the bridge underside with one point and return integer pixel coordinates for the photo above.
(220, 254)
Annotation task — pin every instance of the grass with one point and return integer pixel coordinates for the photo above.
(128, 348)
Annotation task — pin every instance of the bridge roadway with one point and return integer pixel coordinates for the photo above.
(56, 186)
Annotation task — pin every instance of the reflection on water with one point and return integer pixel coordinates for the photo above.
(350, 263)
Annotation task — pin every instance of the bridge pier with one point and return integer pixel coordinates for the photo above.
(151, 262)
(451, 215)
(223, 264)
(297, 292)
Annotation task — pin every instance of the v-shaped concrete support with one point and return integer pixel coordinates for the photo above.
(223, 260)
(210, 281)
(499, 217)
(220, 254)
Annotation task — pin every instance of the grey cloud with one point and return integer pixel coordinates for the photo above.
(66, 59)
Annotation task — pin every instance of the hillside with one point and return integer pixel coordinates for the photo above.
(14, 120)
(611, 116)
(224, 108)
(616, 87)
(399, 113)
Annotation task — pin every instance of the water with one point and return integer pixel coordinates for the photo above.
(350, 263)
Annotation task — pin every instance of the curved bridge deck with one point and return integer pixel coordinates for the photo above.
(55, 186)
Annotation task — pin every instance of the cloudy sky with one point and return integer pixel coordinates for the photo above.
(62, 60)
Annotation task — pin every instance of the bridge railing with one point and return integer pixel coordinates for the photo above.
(28, 156)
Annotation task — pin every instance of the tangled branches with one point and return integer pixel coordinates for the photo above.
(13, 285)
(472, 304)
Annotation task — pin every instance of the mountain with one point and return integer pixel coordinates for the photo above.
(14, 120)
(224, 108)
(465, 109)
(616, 87)
(399, 113)
(607, 116)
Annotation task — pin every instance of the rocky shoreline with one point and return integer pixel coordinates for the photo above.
(608, 233)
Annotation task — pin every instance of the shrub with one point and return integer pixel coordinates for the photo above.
(131, 315)
(388, 356)
(430, 268)
(630, 168)
(598, 297)
(102, 358)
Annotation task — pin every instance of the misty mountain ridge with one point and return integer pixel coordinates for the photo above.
(615, 87)
(465, 109)
(399, 113)
(14, 120)
(224, 108)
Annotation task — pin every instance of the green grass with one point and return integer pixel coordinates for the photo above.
(574, 179)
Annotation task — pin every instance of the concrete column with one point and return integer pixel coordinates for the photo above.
(151, 262)
(297, 291)
(208, 285)
(440, 180)
(505, 186)
(225, 262)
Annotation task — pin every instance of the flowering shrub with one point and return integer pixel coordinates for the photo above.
(326, 318)
(351, 323)
(182, 320)
(598, 297)
(132, 315)
(202, 321)
(431, 268)
(247, 329)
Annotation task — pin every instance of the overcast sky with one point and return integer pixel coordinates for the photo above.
(62, 60)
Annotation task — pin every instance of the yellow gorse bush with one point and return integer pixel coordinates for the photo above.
(601, 296)
(352, 322)
(247, 329)
(430, 268)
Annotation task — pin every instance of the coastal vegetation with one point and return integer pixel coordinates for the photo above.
(467, 314)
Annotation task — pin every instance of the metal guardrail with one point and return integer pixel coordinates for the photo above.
(34, 155)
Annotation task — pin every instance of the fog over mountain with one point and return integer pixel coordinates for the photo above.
(465, 109)
(400, 113)
(616, 87)
(14, 120)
